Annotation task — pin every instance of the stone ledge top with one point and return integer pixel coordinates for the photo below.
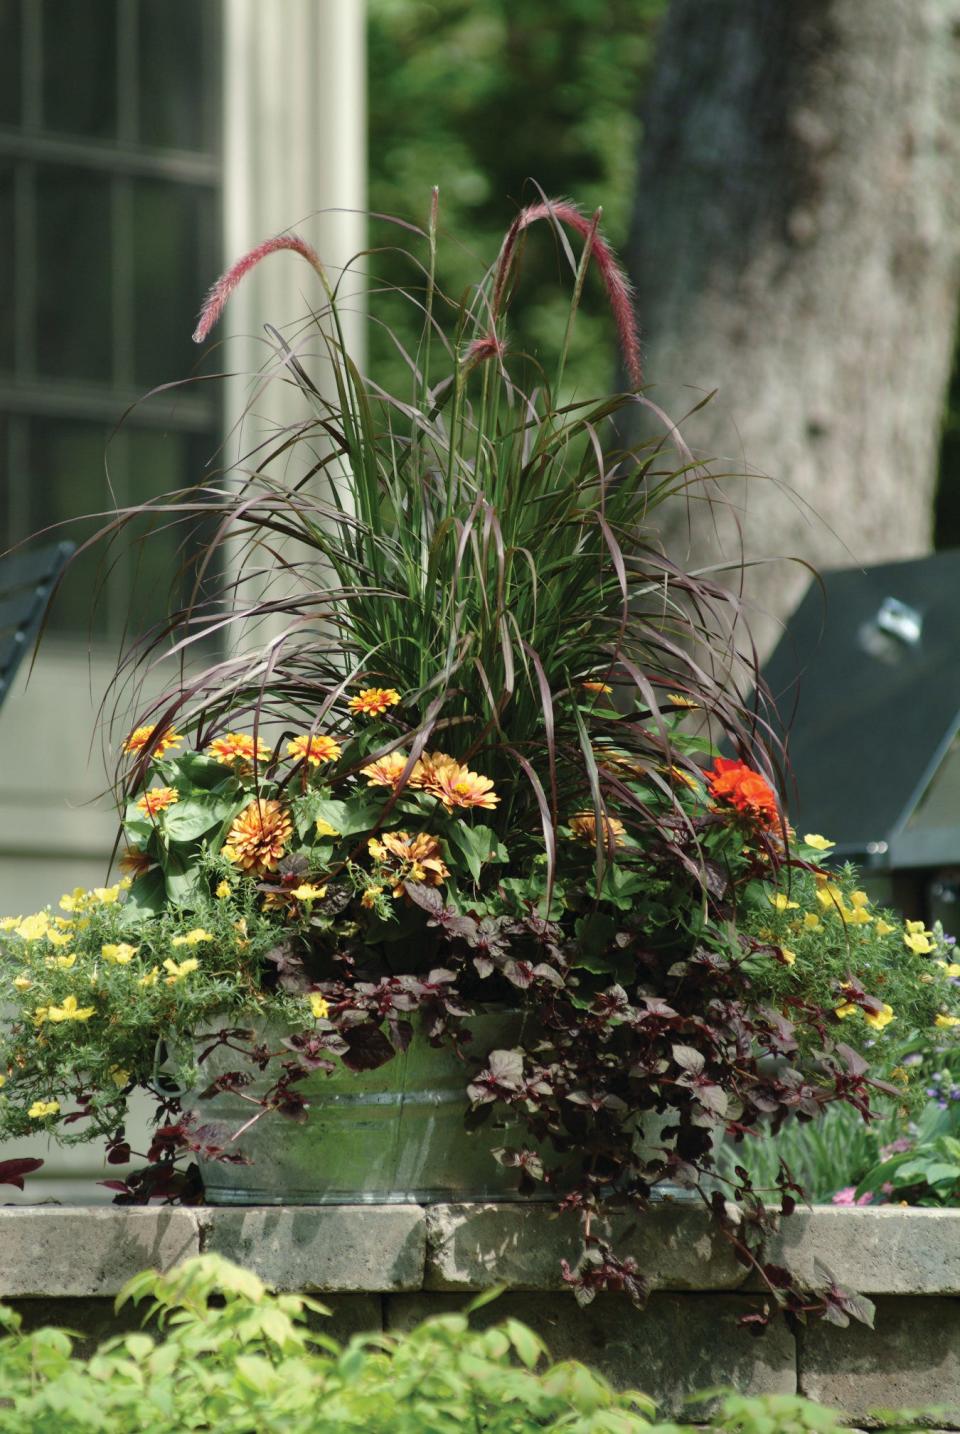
(87, 1251)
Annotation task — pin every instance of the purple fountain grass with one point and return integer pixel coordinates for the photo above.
(615, 280)
(216, 299)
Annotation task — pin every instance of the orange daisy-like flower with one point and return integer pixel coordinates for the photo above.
(601, 687)
(409, 859)
(236, 749)
(139, 738)
(583, 827)
(740, 787)
(458, 787)
(387, 771)
(258, 838)
(313, 749)
(374, 701)
(157, 800)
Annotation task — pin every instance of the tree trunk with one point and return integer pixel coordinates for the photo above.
(796, 245)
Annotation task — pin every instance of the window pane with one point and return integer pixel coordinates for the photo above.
(171, 265)
(73, 279)
(7, 280)
(177, 75)
(9, 61)
(80, 66)
(67, 480)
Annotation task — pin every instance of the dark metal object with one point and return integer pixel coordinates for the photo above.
(27, 580)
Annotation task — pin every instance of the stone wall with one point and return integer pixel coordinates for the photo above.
(388, 1266)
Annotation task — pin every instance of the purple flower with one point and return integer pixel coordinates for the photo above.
(900, 1146)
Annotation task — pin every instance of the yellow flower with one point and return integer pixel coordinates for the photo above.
(678, 700)
(583, 827)
(856, 916)
(409, 858)
(811, 921)
(40, 1015)
(847, 1009)
(602, 689)
(456, 786)
(859, 899)
(75, 900)
(107, 895)
(788, 955)
(318, 1006)
(139, 738)
(324, 829)
(65, 962)
(150, 978)
(22, 983)
(236, 749)
(819, 843)
(157, 800)
(10, 923)
(59, 938)
(70, 1011)
(192, 938)
(945, 1022)
(32, 928)
(914, 926)
(118, 953)
(314, 749)
(374, 701)
(258, 838)
(223, 890)
(883, 928)
(881, 1018)
(3, 1081)
(829, 896)
(779, 902)
(918, 942)
(951, 968)
(307, 892)
(369, 897)
(177, 972)
(119, 1076)
(42, 1108)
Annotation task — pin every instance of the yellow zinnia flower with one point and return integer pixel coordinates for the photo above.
(139, 738)
(314, 749)
(602, 689)
(374, 701)
(42, 1108)
(677, 699)
(237, 749)
(583, 827)
(70, 1011)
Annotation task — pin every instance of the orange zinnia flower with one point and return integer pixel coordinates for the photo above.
(313, 749)
(584, 827)
(135, 862)
(409, 859)
(387, 771)
(744, 789)
(373, 701)
(458, 787)
(258, 837)
(157, 799)
(237, 749)
(139, 738)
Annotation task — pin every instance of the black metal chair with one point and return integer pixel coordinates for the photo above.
(27, 580)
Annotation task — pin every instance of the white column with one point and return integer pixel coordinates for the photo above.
(294, 118)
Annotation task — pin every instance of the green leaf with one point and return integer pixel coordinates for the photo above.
(197, 815)
(146, 897)
(478, 846)
(348, 818)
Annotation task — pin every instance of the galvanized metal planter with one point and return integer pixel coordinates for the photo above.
(394, 1135)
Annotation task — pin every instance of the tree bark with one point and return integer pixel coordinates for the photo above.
(796, 245)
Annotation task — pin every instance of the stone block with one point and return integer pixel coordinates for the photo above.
(54, 1251)
(347, 1248)
(678, 1347)
(910, 1360)
(470, 1247)
(889, 1250)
